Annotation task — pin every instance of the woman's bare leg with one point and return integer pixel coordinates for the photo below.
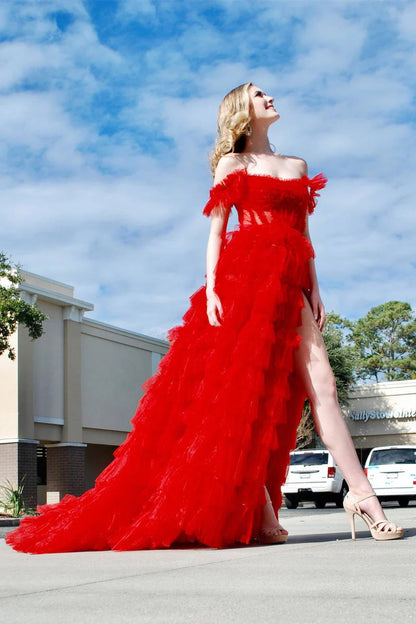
(312, 364)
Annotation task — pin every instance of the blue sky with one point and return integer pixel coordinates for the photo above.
(108, 111)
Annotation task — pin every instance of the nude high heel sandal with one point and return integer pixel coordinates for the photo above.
(381, 530)
(272, 536)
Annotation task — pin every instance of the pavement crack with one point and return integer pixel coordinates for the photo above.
(121, 578)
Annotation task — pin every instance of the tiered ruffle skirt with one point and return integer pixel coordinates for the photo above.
(216, 422)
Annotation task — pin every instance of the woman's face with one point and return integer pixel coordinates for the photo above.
(261, 105)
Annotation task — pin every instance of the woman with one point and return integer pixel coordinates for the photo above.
(211, 436)
(256, 157)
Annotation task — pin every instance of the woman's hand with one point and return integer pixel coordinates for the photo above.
(317, 308)
(214, 308)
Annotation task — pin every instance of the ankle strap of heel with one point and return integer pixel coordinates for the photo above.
(360, 500)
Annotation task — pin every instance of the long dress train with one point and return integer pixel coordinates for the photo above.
(218, 419)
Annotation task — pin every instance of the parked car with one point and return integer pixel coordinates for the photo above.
(391, 471)
(313, 476)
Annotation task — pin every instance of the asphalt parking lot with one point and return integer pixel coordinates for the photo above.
(319, 575)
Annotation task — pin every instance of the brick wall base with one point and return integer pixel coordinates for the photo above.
(65, 471)
(18, 460)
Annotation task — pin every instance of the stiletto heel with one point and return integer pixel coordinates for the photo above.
(352, 523)
(381, 530)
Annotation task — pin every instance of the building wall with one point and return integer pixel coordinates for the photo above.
(113, 359)
(382, 414)
(48, 367)
(72, 392)
(9, 404)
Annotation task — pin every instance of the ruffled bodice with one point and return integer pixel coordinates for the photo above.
(261, 199)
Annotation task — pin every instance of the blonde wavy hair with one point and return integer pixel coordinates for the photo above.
(233, 124)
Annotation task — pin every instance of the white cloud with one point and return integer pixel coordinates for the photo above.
(132, 9)
(406, 20)
(37, 124)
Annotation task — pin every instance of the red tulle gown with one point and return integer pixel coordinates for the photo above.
(219, 417)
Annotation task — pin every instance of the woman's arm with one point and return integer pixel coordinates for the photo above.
(214, 307)
(219, 219)
(314, 296)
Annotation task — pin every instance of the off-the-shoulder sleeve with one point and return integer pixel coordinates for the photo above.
(315, 184)
(224, 194)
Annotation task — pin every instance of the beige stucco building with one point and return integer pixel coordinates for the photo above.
(68, 397)
(382, 414)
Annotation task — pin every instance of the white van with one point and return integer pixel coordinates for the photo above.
(391, 471)
(313, 476)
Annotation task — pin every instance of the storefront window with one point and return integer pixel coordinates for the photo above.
(41, 465)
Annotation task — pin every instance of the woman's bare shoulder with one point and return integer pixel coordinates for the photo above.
(227, 164)
(298, 165)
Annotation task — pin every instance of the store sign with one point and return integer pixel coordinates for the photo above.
(366, 415)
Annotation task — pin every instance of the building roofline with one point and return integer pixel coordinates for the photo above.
(128, 332)
(57, 298)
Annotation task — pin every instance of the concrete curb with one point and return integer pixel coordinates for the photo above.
(5, 522)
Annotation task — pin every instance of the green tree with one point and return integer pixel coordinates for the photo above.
(384, 342)
(340, 355)
(13, 309)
